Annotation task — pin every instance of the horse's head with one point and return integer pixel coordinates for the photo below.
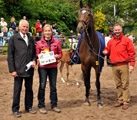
(85, 17)
(71, 51)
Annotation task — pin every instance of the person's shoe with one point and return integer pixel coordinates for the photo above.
(43, 110)
(125, 107)
(17, 114)
(32, 111)
(55, 109)
(118, 104)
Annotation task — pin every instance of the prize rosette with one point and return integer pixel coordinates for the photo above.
(46, 50)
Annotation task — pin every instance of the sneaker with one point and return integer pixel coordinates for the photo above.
(43, 110)
(55, 109)
(17, 114)
(32, 111)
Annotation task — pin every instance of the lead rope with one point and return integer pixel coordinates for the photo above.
(93, 50)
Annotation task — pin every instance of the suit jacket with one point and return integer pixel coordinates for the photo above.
(19, 55)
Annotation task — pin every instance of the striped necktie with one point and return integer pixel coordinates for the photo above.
(23, 36)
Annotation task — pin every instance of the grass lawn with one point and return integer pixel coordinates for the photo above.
(3, 50)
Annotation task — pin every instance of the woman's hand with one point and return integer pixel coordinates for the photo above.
(43, 52)
(56, 56)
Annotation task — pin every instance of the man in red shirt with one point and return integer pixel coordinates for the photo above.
(38, 27)
(121, 48)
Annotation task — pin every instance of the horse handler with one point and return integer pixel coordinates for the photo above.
(121, 49)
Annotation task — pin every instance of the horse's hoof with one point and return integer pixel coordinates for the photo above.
(100, 105)
(63, 80)
(77, 84)
(87, 103)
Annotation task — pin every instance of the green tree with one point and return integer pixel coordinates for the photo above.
(2, 9)
(64, 12)
(99, 21)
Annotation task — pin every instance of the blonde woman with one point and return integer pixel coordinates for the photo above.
(48, 42)
(13, 23)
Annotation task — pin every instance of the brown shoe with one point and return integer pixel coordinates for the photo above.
(125, 107)
(118, 104)
(55, 109)
(43, 110)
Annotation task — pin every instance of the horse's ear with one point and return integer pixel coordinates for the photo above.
(81, 4)
(89, 3)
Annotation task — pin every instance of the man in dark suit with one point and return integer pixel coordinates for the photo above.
(21, 51)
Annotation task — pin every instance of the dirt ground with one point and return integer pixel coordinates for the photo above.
(70, 97)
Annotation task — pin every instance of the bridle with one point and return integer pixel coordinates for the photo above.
(85, 24)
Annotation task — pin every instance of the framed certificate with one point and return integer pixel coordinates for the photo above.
(46, 58)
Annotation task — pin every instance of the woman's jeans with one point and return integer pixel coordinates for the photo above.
(52, 74)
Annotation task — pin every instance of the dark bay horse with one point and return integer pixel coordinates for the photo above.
(89, 47)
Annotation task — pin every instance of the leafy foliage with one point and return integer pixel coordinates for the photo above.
(64, 12)
(99, 21)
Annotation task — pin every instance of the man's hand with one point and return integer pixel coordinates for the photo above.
(14, 74)
(104, 52)
(131, 68)
(34, 64)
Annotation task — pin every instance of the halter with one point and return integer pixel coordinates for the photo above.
(85, 24)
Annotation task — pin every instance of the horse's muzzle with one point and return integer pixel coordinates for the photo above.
(80, 28)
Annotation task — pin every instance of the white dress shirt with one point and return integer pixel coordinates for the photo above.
(25, 37)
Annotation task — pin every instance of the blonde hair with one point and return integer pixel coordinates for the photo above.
(47, 25)
(5, 29)
(12, 19)
(10, 28)
(117, 24)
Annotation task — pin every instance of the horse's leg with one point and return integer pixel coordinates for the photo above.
(77, 83)
(86, 76)
(61, 68)
(98, 88)
(67, 67)
(73, 71)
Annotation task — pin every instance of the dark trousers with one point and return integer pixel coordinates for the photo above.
(17, 91)
(52, 74)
